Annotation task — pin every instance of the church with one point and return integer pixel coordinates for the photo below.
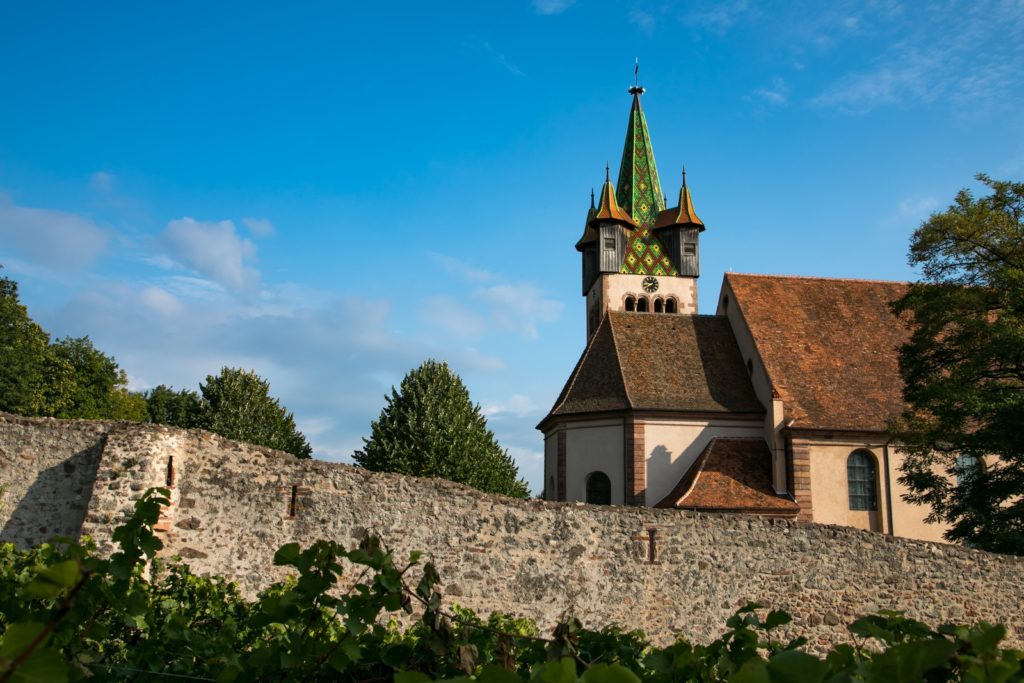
(775, 405)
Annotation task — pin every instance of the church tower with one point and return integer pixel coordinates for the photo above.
(637, 255)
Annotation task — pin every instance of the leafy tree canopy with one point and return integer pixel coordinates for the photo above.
(181, 408)
(431, 428)
(237, 405)
(963, 369)
(69, 378)
(23, 354)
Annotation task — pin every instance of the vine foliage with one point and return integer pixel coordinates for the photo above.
(67, 614)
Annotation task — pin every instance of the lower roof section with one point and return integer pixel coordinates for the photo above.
(731, 475)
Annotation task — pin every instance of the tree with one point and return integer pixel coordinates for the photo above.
(431, 428)
(24, 349)
(963, 369)
(237, 405)
(181, 408)
(85, 383)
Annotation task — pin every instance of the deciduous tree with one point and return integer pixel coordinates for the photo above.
(963, 368)
(431, 428)
(237, 405)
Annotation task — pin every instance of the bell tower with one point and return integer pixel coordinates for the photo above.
(637, 255)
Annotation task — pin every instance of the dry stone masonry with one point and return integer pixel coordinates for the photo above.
(234, 504)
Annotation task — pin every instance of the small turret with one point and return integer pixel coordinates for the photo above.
(607, 233)
(679, 230)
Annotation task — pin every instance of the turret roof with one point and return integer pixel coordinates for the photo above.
(683, 214)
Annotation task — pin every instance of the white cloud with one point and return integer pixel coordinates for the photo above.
(101, 181)
(462, 269)
(717, 17)
(519, 307)
(517, 404)
(552, 6)
(777, 94)
(913, 210)
(974, 67)
(260, 227)
(55, 239)
(452, 317)
(644, 21)
(214, 250)
(160, 301)
(501, 59)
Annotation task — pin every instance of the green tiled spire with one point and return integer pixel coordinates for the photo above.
(639, 193)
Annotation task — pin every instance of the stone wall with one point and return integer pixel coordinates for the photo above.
(233, 504)
(47, 469)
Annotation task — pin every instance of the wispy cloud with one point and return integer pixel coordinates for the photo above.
(55, 239)
(777, 94)
(516, 404)
(260, 227)
(974, 67)
(462, 269)
(214, 250)
(913, 210)
(101, 181)
(519, 307)
(501, 59)
(644, 21)
(716, 17)
(552, 6)
(452, 317)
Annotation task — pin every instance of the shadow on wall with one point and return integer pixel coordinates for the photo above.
(56, 502)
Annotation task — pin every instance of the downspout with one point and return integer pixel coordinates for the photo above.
(888, 484)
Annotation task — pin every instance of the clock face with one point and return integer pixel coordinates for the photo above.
(650, 284)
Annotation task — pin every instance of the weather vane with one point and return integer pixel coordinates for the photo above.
(636, 89)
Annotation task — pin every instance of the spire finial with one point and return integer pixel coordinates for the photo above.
(592, 206)
(636, 89)
(607, 173)
(684, 175)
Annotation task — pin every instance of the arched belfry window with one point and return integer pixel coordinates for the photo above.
(641, 304)
(862, 477)
(659, 306)
(670, 306)
(599, 489)
(630, 303)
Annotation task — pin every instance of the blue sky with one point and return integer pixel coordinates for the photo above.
(331, 193)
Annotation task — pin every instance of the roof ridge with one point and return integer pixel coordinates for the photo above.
(699, 464)
(618, 362)
(575, 373)
(816, 277)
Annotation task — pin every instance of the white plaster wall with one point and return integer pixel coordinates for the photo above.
(616, 286)
(673, 445)
(551, 466)
(773, 419)
(592, 447)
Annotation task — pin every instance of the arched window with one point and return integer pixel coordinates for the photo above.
(551, 494)
(861, 478)
(750, 367)
(641, 304)
(725, 304)
(670, 306)
(599, 489)
(967, 467)
(659, 306)
(630, 303)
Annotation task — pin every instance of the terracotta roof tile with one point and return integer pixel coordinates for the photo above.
(730, 475)
(650, 361)
(830, 346)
